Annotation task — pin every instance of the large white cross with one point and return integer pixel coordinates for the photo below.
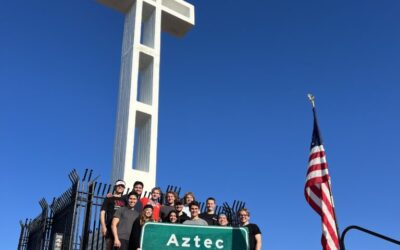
(135, 145)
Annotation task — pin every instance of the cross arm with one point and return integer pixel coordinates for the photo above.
(177, 16)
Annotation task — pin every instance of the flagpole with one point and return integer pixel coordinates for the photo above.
(311, 98)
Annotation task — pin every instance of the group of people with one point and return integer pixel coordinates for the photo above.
(123, 216)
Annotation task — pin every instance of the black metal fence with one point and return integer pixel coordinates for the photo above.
(72, 221)
(364, 230)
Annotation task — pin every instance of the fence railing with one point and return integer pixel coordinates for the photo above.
(72, 221)
(375, 234)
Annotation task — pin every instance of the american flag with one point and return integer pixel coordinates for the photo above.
(318, 192)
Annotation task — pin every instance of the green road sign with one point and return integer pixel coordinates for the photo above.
(157, 236)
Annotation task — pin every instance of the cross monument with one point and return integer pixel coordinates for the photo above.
(135, 145)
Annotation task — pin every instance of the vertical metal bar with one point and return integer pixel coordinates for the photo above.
(21, 236)
(202, 207)
(84, 175)
(96, 230)
(162, 198)
(96, 207)
(217, 210)
(74, 213)
(91, 215)
(90, 175)
(86, 223)
(25, 237)
(104, 189)
(49, 224)
(228, 212)
(234, 206)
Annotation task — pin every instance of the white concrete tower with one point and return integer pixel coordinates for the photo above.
(135, 146)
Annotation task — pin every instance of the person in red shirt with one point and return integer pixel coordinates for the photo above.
(154, 201)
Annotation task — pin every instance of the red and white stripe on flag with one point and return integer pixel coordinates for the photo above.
(318, 195)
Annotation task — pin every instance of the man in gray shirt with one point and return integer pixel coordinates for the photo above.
(122, 222)
(171, 197)
(195, 219)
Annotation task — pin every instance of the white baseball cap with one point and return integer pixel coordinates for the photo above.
(120, 182)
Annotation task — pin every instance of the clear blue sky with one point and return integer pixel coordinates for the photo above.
(234, 120)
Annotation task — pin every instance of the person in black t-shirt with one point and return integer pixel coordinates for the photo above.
(254, 230)
(145, 216)
(172, 217)
(182, 216)
(210, 216)
(110, 205)
(138, 188)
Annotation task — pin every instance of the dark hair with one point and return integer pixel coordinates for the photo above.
(169, 214)
(194, 203)
(148, 206)
(210, 199)
(138, 183)
(133, 193)
(143, 218)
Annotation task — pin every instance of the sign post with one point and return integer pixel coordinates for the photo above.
(176, 236)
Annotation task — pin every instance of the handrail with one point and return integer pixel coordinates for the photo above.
(342, 247)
